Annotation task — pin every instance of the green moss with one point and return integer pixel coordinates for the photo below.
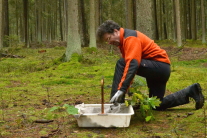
(91, 50)
(32, 84)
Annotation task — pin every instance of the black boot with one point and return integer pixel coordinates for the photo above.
(195, 91)
(182, 97)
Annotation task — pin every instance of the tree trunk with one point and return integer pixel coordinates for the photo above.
(54, 18)
(109, 10)
(73, 41)
(135, 13)
(183, 15)
(6, 21)
(16, 19)
(83, 24)
(159, 19)
(60, 19)
(203, 19)
(65, 20)
(97, 12)
(39, 20)
(193, 19)
(1, 25)
(101, 11)
(129, 14)
(146, 17)
(44, 20)
(92, 24)
(26, 38)
(178, 26)
(169, 19)
(155, 17)
(49, 23)
(188, 8)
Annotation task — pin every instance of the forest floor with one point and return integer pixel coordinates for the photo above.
(32, 85)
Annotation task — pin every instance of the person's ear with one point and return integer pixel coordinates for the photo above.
(115, 30)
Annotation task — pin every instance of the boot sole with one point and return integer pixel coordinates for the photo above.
(200, 103)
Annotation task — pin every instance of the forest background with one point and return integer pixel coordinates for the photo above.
(37, 21)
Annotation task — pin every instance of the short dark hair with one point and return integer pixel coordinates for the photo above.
(107, 27)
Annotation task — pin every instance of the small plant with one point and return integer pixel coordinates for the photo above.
(71, 110)
(11, 40)
(145, 103)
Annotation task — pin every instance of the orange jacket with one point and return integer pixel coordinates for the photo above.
(136, 45)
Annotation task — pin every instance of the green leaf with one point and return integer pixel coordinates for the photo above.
(71, 109)
(134, 100)
(139, 96)
(154, 102)
(66, 106)
(132, 90)
(54, 108)
(126, 103)
(148, 118)
(146, 107)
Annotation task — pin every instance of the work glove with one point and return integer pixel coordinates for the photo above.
(118, 96)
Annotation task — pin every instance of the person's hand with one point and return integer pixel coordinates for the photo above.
(117, 98)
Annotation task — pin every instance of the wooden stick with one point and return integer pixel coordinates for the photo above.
(102, 95)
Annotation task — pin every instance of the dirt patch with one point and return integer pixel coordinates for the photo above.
(15, 84)
(182, 53)
(205, 65)
(47, 44)
(186, 53)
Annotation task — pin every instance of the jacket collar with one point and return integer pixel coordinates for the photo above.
(121, 36)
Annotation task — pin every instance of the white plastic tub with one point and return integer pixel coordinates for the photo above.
(94, 118)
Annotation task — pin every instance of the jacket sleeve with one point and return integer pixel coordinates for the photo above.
(132, 55)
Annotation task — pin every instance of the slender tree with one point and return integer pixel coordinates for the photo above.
(44, 21)
(73, 41)
(135, 13)
(39, 20)
(159, 19)
(183, 15)
(178, 26)
(97, 12)
(6, 20)
(61, 19)
(203, 19)
(188, 19)
(83, 24)
(92, 24)
(65, 5)
(26, 37)
(155, 16)
(1, 24)
(193, 19)
(101, 11)
(129, 14)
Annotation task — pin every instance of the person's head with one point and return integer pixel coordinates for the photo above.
(109, 32)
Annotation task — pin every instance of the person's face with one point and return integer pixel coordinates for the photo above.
(112, 39)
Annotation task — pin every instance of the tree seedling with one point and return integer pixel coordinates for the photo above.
(145, 103)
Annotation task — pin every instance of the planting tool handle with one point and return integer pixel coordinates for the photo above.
(102, 95)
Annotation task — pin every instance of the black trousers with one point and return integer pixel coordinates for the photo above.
(156, 74)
